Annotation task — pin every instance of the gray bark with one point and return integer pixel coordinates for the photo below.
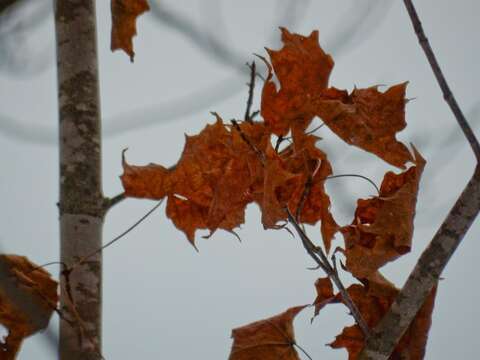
(434, 259)
(81, 200)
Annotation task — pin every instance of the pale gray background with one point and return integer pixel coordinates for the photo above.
(161, 298)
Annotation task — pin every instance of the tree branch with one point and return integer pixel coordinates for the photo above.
(442, 82)
(108, 203)
(426, 273)
(320, 258)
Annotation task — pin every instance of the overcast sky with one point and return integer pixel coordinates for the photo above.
(161, 298)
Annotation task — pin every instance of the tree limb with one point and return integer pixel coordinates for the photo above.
(426, 273)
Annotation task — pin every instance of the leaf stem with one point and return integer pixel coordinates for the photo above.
(355, 175)
(138, 222)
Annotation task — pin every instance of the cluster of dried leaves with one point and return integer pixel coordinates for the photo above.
(228, 166)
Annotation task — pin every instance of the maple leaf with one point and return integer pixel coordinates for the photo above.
(368, 119)
(279, 186)
(223, 169)
(38, 291)
(383, 226)
(325, 294)
(268, 339)
(124, 17)
(303, 69)
(373, 300)
(216, 177)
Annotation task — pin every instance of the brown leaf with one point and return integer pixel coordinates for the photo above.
(187, 216)
(23, 293)
(124, 17)
(279, 186)
(383, 226)
(373, 300)
(223, 169)
(368, 119)
(303, 69)
(268, 339)
(325, 294)
(216, 177)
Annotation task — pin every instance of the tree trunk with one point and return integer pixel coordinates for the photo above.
(81, 199)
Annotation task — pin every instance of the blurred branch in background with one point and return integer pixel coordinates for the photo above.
(20, 18)
(5, 4)
(22, 52)
(363, 16)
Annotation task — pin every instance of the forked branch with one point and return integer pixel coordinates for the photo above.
(426, 273)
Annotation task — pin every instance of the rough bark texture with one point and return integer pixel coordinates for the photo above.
(81, 199)
(426, 273)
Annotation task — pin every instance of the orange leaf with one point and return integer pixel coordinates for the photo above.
(368, 119)
(216, 177)
(187, 216)
(325, 294)
(383, 226)
(124, 17)
(302, 69)
(223, 169)
(279, 186)
(374, 300)
(24, 289)
(268, 339)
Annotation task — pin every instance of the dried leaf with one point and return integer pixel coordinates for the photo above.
(373, 301)
(368, 119)
(124, 17)
(268, 339)
(325, 294)
(23, 293)
(303, 69)
(216, 177)
(223, 169)
(383, 226)
(279, 186)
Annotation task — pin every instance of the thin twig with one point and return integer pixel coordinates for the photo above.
(435, 257)
(447, 93)
(251, 87)
(138, 222)
(306, 189)
(317, 254)
(247, 140)
(278, 143)
(308, 132)
(355, 175)
(303, 351)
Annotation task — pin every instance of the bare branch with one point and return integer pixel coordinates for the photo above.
(433, 260)
(316, 253)
(251, 87)
(447, 93)
(108, 203)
